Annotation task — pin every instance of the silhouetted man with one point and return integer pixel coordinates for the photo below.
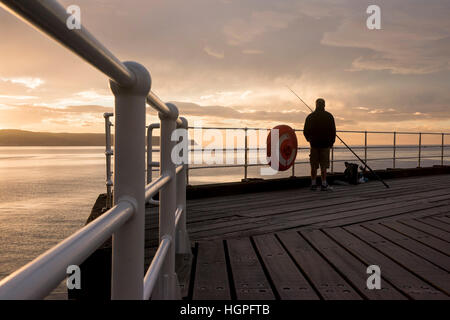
(320, 132)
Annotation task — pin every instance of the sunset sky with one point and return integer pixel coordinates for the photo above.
(227, 62)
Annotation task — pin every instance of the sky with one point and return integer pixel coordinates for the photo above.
(228, 62)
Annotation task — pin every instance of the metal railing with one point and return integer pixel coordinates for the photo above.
(108, 153)
(125, 221)
(365, 147)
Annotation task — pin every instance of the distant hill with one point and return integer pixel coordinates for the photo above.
(13, 138)
(28, 138)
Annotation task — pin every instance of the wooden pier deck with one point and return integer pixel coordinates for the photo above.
(300, 244)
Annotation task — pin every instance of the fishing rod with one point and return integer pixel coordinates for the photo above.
(362, 161)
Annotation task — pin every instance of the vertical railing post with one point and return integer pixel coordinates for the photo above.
(365, 146)
(150, 129)
(183, 244)
(149, 154)
(167, 282)
(246, 155)
(420, 148)
(442, 150)
(293, 169)
(129, 184)
(187, 174)
(332, 159)
(395, 149)
(108, 154)
(188, 156)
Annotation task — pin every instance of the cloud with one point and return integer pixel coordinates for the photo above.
(413, 40)
(240, 31)
(87, 118)
(252, 51)
(400, 115)
(92, 94)
(214, 53)
(3, 96)
(192, 109)
(29, 82)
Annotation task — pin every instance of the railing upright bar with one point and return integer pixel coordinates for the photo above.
(182, 242)
(167, 282)
(108, 154)
(365, 146)
(246, 155)
(420, 148)
(293, 169)
(129, 184)
(188, 157)
(187, 174)
(395, 149)
(442, 150)
(150, 163)
(150, 150)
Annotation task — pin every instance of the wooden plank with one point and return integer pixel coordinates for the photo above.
(255, 201)
(284, 210)
(213, 227)
(445, 199)
(205, 230)
(219, 200)
(419, 225)
(306, 217)
(233, 228)
(413, 215)
(295, 206)
(353, 269)
(425, 238)
(300, 219)
(255, 207)
(421, 267)
(287, 279)
(437, 224)
(325, 279)
(402, 279)
(211, 278)
(403, 209)
(248, 276)
(270, 202)
(433, 256)
(421, 183)
(443, 219)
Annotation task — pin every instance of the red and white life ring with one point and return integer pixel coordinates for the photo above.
(287, 144)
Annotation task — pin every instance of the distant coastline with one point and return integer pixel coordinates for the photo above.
(22, 138)
(19, 138)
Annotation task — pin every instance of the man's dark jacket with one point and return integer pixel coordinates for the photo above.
(320, 129)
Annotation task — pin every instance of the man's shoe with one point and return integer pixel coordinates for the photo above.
(313, 187)
(326, 188)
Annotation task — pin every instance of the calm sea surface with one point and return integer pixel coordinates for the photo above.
(46, 193)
